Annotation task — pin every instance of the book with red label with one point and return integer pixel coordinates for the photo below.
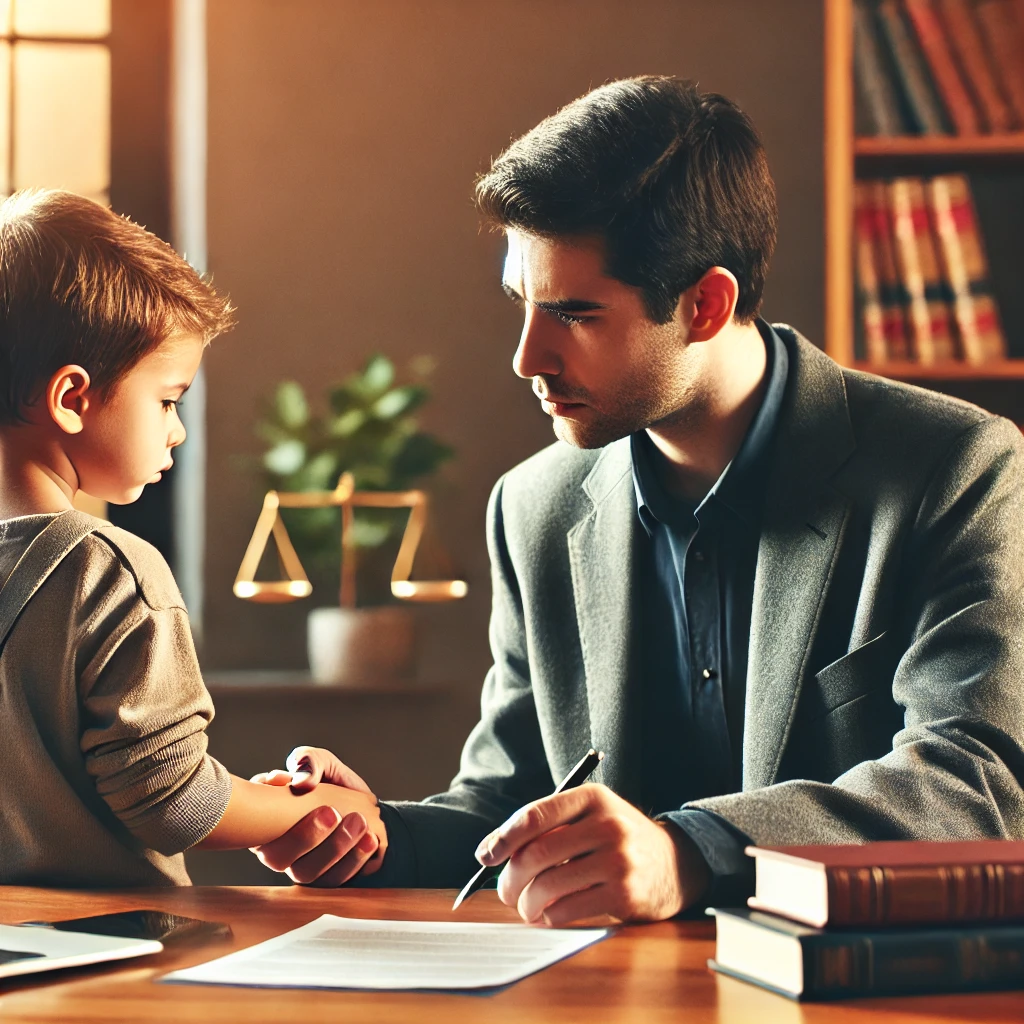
(975, 64)
(965, 268)
(891, 884)
(928, 316)
(893, 297)
(945, 73)
(1004, 37)
(875, 345)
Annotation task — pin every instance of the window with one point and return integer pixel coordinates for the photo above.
(55, 96)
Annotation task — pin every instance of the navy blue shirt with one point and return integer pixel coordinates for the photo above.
(696, 570)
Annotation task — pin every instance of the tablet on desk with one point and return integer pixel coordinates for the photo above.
(29, 949)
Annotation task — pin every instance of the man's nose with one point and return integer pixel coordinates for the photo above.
(537, 352)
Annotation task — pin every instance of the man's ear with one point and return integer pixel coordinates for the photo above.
(713, 299)
(67, 398)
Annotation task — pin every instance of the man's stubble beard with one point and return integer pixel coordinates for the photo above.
(679, 402)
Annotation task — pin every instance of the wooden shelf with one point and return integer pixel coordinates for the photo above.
(1002, 369)
(1008, 144)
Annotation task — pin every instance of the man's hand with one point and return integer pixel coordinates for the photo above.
(587, 853)
(323, 849)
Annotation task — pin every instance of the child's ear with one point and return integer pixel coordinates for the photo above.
(67, 398)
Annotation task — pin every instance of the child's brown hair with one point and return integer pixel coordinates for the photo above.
(81, 285)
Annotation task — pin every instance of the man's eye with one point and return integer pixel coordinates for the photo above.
(567, 318)
(171, 403)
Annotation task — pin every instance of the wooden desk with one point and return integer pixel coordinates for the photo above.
(642, 975)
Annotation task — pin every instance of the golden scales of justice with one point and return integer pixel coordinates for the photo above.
(296, 585)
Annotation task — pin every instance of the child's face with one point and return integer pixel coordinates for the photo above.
(127, 438)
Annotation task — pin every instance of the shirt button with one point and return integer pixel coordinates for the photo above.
(709, 673)
(699, 555)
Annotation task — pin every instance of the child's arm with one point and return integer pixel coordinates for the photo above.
(258, 814)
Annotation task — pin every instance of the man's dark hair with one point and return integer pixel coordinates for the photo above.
(79, 284)
(674, 181)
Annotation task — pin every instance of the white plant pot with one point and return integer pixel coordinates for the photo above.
(361, 646)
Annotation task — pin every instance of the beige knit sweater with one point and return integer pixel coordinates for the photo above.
(104, 775)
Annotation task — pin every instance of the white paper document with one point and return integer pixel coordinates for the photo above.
(345, 952)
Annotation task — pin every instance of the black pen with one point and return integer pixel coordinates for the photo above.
(576, 777)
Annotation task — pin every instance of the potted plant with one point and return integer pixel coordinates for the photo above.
(369, 428)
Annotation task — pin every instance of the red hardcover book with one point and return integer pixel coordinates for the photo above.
(891, 883)
(894, 323)
(1004, 37)
(867, 277)
(975, 64)
(965, 268)
(902, 202)
(945, 74)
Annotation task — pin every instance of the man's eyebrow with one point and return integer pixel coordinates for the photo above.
(558, 306)
(180, 388)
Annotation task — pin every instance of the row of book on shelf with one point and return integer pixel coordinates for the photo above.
(936, 67)
(923, 282)
(889, 918)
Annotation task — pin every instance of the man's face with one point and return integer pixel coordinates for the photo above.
(127, 438)
(601, 368)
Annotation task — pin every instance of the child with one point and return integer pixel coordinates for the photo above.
(104, 775)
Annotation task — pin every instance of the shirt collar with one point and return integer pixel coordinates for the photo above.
(740, 487)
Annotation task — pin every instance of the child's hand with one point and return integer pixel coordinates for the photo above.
(325, 848)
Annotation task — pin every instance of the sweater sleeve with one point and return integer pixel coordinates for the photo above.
(145, 709)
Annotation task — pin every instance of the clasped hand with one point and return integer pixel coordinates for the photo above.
(581, 854)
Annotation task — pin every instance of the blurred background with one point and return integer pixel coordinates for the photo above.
(317, 158)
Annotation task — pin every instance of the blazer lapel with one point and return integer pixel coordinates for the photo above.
(601, 555)
(803, 523)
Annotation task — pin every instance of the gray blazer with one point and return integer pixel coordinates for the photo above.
(885, 689)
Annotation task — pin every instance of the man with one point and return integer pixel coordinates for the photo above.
(784, 598)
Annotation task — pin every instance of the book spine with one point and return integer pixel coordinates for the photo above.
(924, 895)
(892, 295)
(874, 83)
(968, 48)
(912, 74)
(1003, 37)
(890, 963)
(867, 276)
(936, 295)
(945, 74)
(965, 268)
(901, 193)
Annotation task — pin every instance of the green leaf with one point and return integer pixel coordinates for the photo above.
(378, 375)
(398, 401)
(284, 458)
(321, 472)
(420, 455)
(367, 534)
(347, 424)
(290, 404)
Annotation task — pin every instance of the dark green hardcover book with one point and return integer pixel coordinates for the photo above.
(920, 97)
(879, 103)
(810, 963)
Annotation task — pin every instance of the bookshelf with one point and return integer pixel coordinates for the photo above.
(846, 157)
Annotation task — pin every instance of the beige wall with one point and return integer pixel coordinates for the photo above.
(344, 138)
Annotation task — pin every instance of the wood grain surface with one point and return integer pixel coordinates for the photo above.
(647, 973)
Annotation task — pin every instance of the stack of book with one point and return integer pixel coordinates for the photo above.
(939, 67)
(923, 281)
(892, 918)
